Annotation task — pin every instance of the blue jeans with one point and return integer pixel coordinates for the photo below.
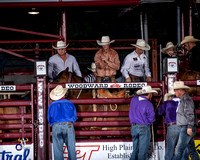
(141, 136)
(63, 133)
(171, 141)
(186, 141)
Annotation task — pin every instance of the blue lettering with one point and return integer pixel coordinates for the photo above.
(26, 153)
(9, 156)
(20, 157)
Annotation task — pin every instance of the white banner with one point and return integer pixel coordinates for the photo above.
(8, 88)
(16, 152)
(112, 151)
(105, 85)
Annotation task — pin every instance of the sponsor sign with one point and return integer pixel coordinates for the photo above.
(8, 88)
(104, 85)
(40, 68)
(112, 151)
(172, 65)
(16, 152)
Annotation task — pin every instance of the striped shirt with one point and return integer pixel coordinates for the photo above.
(57, 65)
(135, 65)
(89, 78)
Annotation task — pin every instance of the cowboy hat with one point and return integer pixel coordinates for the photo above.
(189, 39)
(180, 85)
(146, 90)
(167, 95)
(58, 92)
(93, 67)
(61, 45)
(104, 41)
(168, 46)
(142, 45)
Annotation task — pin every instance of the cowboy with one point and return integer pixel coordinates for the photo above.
(61, 116)
(59, 62)
(90, 78)
(169, 108)
(186, 120)
(169, 50)
(106, 60)
(189, 43)
(141, 115)
(135, 67)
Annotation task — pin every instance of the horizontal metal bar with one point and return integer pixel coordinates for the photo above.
(29, 41)
(102, 123)
(102, 101)
(14, 116)
(15, 135)
(103, 114)
(16, 126)
(15, 103)
(30, 32)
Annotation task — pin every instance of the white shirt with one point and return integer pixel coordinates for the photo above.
(136, 66)
(57, 65)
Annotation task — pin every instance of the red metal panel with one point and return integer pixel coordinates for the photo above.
(72, 3)
(100, 123)
(15, 103)
(103, 114)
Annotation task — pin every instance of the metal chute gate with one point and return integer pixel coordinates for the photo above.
(34, 134)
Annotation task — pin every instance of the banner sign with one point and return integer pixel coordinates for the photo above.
(15, 152)
(112, 151)
(8, 88)
(104, 85)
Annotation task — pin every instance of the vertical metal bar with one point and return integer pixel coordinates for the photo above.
(146, 33)
(190, 17)
(63, 27)
(182, 26)
(41, 117)
(178, 25)
(161, 62)
(141, 25)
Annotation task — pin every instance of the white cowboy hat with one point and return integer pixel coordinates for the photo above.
(142, 45)
(104, 41)
(145, 90)
(167, 95)
(168, 46)
(58, 92)
(180, 85)
(61, 45)
(189, 39)
(93, 67)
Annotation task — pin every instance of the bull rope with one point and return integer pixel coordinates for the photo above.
(105, 106)
(79, 94)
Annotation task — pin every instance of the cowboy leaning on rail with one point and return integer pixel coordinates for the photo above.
(61, 115)
(107, 61)
(59, 62)
(141, 115)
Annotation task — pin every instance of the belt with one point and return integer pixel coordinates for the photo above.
(63, 122)
(133, 76)
(170, 124)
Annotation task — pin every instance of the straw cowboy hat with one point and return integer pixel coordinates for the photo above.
(104, 41)
(168, 46)
(180, 85)
(146, 90)
(61, 45)
(58, 92)
(93, 67)
(167, 95)
(142, 45)
(189, 39)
